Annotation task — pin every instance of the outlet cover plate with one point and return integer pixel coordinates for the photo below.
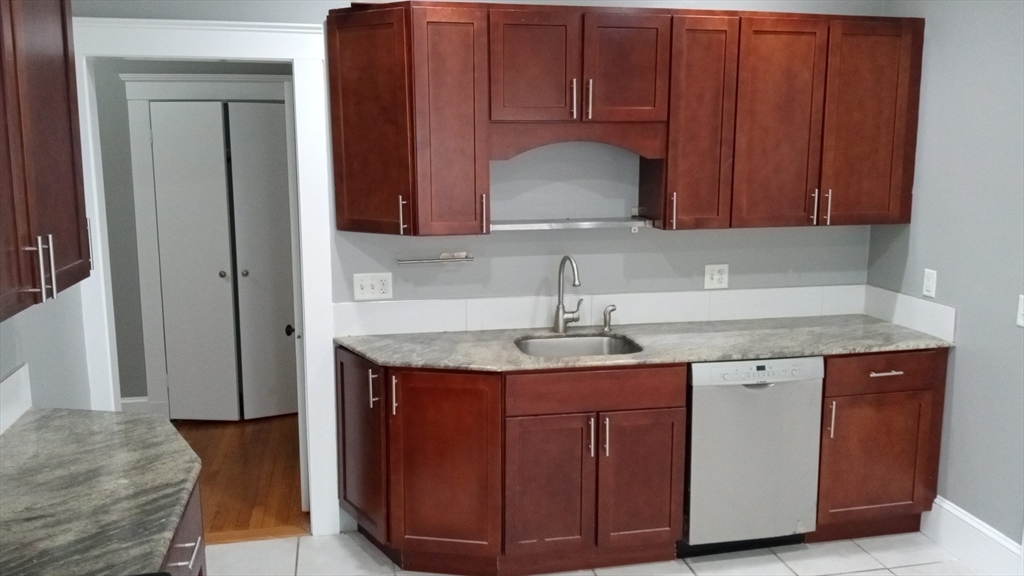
(376, 286)
(930, 278)
(716, 276)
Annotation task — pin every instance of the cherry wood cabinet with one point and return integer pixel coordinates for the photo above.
(445, 454)
(870, 122)
(881, 428)
(409, 96)
(362, 442)
(779, 105)
(626, 66)
(44, 199)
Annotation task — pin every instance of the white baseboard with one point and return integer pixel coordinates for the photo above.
(15, 397)
(143, 405)
(983, 548)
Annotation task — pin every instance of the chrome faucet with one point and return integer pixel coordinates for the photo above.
(561, 316)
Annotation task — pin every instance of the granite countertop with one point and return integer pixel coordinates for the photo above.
(495, 350)
(86, 492)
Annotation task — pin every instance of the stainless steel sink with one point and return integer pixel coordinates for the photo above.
(565, 346)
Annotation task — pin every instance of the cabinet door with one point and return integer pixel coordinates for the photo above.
(640, 477)
(701, 121)
(535, 64)
(362, 450)
(875, 456)
(626, 66)
(779, 101)
(449, 53)
(445, 455)
(44, 71)
(867, 123)
(367, 53)
(550, 481)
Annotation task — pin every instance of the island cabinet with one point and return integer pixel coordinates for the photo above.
(408, 89)
(187, 553)
(810, 152)
(881, 428)
(44, 237)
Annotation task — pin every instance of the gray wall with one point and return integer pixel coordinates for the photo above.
(967, 225)
(50, 338)
(115, 146)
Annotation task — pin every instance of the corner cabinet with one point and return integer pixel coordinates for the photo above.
(45, 237)
(409, 98)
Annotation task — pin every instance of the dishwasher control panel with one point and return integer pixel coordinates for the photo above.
(758, 371)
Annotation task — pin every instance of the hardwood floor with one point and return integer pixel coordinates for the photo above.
(250, 478)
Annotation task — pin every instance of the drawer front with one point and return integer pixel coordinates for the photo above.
(594, 391)
(187, 554)
(889, 372)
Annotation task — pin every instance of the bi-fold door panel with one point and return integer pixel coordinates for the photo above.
(259, 187)
(193, 221)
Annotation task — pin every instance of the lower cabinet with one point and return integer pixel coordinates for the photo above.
(186, 555)
(881, 427)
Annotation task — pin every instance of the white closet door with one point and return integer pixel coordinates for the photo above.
(193, 222)
(259, 176)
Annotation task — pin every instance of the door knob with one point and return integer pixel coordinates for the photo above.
(222, 274)
(288, 330)
(245, 272)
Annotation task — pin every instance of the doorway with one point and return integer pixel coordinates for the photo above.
(206, 332)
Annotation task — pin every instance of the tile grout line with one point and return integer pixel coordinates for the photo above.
(297, 541)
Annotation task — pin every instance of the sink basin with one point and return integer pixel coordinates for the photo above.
(565, 346)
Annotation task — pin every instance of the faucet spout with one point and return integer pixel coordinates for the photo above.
(561, 316)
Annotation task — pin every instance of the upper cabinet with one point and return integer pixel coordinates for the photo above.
(409, 119)
(740, 119)
(45, 236)
(569, 65)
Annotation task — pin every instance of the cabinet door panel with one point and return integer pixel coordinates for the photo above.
(370, 127)
(535, 58)
(779, 101)
(866, 112)
(626, 66)
(640, 477)
(445, 455)
(550, 480)
(701, 117)
(450, 81)
(362, 460)
(46, 86)
(875, 456)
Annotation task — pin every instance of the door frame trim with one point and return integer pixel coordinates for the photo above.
(301, 45)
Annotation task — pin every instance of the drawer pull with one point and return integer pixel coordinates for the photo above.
(832, 425)
(591, 437)
(192, 560)
(884, 374)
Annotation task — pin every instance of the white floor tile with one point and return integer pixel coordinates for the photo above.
(345, 554)
(672, 567)
(937, 569)
(904, 549)
(748, 563)
(882, 572)
(259, 558)
(826, 558)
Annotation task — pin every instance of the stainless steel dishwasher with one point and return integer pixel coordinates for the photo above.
(754, 449)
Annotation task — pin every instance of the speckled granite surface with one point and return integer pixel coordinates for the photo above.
(495, 350)
(91, 492)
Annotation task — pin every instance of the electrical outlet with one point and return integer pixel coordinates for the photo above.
(372, 286)
(929, 283)
(1020, 311)
(716, 276)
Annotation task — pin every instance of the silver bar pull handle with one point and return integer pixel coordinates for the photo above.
(832, 424)
(88, 228)
(885, 374)
(574, 98)
(674, 209)
(195, 552)
(394, 398)
(590, 99)
(591, 436)
(483, 220)
(53, 268)
(369, 382)
(828, 209)
(607, 437)
(814, 215)
(401, 216)
(38, 249)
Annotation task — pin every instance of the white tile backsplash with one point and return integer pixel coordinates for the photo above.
(922, 315)
(652, 307)
(837, 300)
(399, 317)
(766, 303)
(521, 312)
